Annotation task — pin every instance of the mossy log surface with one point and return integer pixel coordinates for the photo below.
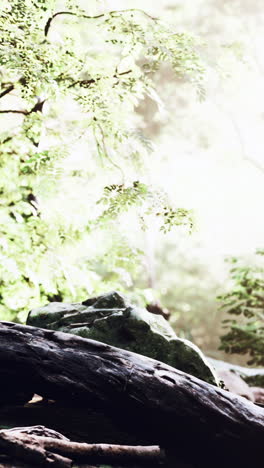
(203, 424)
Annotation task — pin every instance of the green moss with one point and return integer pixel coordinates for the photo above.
(112, 320)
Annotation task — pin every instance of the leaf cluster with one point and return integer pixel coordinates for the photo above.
(246, 302)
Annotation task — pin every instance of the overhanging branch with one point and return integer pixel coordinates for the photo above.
(110, 13)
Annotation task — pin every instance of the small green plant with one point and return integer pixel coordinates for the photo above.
(245, 302)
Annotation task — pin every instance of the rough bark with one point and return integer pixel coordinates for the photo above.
(203, 424)
(21, 446)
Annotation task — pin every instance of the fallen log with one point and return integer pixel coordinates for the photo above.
(202, 424)
(40, 446)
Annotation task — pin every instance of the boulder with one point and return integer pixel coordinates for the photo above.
(111, 319)
(235, 384)
(254, 377)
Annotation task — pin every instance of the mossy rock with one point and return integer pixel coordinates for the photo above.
(111, 319)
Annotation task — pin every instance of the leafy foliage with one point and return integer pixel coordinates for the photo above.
(120, 198)
(99, 66)
(246, 300)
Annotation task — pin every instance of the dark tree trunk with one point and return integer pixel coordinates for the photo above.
(200, 423)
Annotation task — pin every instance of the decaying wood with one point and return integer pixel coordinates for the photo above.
(203, 424)
(23, 447)
(43, 447)
(103, 452)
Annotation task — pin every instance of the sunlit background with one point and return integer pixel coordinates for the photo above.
(209, 156)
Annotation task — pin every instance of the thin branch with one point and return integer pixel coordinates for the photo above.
(11, 86)
(132, 10)
(254, 163)
(240, 139)
(36, 108)
(87, 83)
(107, 155)
(122, 73)
(27, 445)
(242, 145)
(117, 75)
(110, 13)
(84, 451)
(6, 140)
(59, 13)
(14, 111)
(7, 90)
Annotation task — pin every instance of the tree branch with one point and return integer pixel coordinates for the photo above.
(87, 83)
(26, 448)
(36, 108)
(10, 87)
(14, 111)
(99, 452)
(60, 13)
(110, 13)
(107, 154)
(7, 90)
(39, 444)
(240, 138)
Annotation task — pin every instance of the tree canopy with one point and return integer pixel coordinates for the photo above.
(70, 84)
